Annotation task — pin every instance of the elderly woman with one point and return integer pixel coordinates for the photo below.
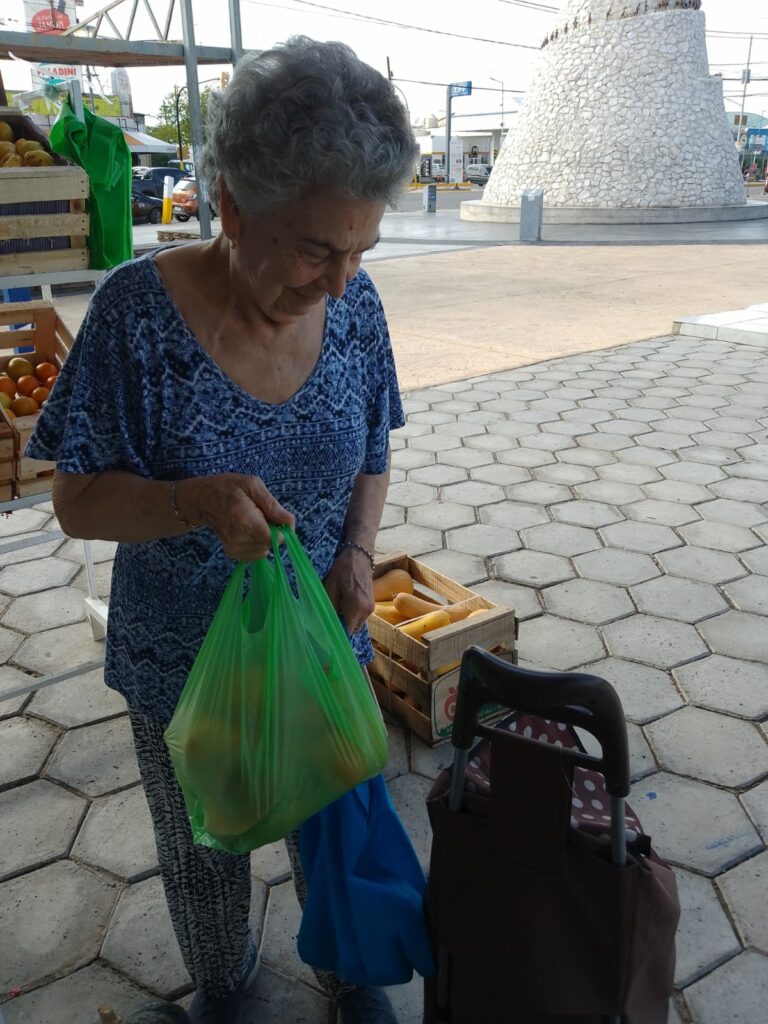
(222, 386)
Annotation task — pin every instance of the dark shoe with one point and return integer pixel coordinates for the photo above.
(158, 1013)
(231, 1009)
(366, 1005)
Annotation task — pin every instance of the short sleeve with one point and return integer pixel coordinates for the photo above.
(386, 409)
(95, 418)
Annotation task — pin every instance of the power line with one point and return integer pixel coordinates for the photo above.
(533, 6)
(443, 85)
(412, 28)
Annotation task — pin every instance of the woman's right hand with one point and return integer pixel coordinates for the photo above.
(237, 508)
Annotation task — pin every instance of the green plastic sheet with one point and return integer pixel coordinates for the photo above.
(99, 147)
(276, 719)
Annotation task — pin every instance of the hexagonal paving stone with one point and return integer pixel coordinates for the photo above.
(524, 600)
(677, 490)
(11, 679)
(39, 822)
(410, 493)
(701, 564)
(694, 824)
(40, 574)
(409, 458)
(459, 566)
(756, 803)
(745, 889)
(408, 794)
(534, 568)
(647, 538)
(117, 835)
(416, 540)
(36, 612)
(275, 998)
(756, 560)
(641, 761)
(539, 493)
(513, 515)
(473, 493)
(393, 515)
(490, 442)
(735, 992)
(676, 598)
(611, 565)
(711, 454)
(141, 944)
(56, 650)
(24, 745)
(726, 684)
(271, 864)
(23, 520)
(526, 458)
(719, 536)
(586, 513)
(10, 641)
(96, 759)
(708, 746)
(74, 998)
(557, 643)
(704, 936)
(742, 489)
(437, 475)
(749, 594)
(692, 472)
(51, 922)
(442, 515)
(498, 474)
(665, 513)
(483, 540)
(624, 473)
(101, 551)
(738, 634)
(645, 693)
(435, 442)
(737, 513)
(604, 442)
(642, 455)
(468, 458)
(586, 457)
(82, 700)
(560, 539)
(280, 930)
(587, 601)
(653, 641)
(564, 473)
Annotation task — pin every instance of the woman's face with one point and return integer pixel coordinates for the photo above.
(291, 259)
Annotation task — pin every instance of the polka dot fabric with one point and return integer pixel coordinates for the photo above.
(590, 802)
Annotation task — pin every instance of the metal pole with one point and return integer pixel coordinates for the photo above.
(177, 97)
(195, 116)
(746, 77)
(235, 31)
(448, 99)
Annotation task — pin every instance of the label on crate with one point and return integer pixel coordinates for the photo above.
(444, 691)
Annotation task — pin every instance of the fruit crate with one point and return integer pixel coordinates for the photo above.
(49, 340)
(43, 217)
(416, 680)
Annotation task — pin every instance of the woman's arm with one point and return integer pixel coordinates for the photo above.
(349, 583)
(121, 506)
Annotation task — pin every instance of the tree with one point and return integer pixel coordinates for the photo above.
(166, 128)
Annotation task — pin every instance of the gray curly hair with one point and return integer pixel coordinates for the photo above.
(306, 114)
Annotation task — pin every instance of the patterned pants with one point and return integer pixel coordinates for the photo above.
(208, 891)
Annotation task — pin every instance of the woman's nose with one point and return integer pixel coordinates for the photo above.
(338, 274)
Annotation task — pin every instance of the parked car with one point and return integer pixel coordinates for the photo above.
(478, 174)
(185, 200)
(150, 180)
(145, 207)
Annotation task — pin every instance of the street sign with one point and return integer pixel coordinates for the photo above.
(460, 88)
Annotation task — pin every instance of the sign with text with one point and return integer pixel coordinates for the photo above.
(460, 88)
(51, 17)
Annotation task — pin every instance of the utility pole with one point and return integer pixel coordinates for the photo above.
(195, 118)
(746, 77)
(454, 89)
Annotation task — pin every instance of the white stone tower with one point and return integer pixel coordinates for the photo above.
(622, 113)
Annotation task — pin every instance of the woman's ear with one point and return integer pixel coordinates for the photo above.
(230, 214)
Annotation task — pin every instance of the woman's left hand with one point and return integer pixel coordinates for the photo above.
(349, 585)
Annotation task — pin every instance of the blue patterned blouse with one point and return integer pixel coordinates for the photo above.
(138, 393)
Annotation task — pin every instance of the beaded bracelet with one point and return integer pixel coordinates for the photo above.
(358, 547)
(177, 511)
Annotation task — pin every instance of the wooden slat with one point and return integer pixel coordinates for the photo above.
(43, 262)
(16, 339)
(43, 225)
(38, 486)
(38, 184)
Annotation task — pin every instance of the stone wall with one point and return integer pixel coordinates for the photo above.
(622, 112)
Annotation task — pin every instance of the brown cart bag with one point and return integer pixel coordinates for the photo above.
(546, 902)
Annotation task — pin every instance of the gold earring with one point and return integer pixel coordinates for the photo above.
(233, 243)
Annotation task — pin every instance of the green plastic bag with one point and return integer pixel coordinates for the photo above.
(276, 719)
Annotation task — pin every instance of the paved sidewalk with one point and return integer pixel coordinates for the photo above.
(617, 499)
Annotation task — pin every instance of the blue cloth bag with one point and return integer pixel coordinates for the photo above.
(364, 912)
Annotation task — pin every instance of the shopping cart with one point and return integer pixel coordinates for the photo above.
(546, 901)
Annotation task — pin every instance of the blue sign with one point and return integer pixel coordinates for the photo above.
(460, 88)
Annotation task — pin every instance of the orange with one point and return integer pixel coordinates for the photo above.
(24, 406)
(26, 385)
(40, 394)
(50, 382)
(45, 370)
(7, 385)
(19, 367)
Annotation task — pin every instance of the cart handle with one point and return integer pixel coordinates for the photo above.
(573, 698)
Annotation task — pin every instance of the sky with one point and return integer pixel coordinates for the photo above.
(417, 56)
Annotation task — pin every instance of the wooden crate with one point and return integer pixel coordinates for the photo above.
(417, 680)
(50, 341)
(43, 218)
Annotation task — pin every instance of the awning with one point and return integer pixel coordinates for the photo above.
(140, 142)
